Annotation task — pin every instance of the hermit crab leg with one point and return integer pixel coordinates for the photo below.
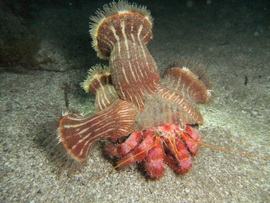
(121, 150)
(133, 140)
(154, 161)
(178, 157)
(191, 137)
(139, 153)
(78, 133)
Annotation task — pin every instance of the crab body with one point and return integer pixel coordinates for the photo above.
(156, 146)
(149, 118)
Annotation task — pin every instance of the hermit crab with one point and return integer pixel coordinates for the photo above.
(146, 118)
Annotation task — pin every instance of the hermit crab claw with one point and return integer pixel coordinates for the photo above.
(78, 133)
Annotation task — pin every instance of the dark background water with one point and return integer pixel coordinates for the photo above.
(25, 23)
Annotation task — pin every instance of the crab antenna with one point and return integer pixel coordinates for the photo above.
(229, 150)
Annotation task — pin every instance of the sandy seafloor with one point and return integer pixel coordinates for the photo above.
(232, 39)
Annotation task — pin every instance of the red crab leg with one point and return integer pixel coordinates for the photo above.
(178, 157)
(78, 133)
(133, 140)
(121, 150)
(192, 138)
(153, 163)
(139, 153)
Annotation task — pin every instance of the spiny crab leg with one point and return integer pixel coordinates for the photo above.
(130, 143)
(154, 161)
(178, 157)
(191, 137)
(78, 133)
(138, 153)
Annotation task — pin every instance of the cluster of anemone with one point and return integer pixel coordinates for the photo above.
(146, 117)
